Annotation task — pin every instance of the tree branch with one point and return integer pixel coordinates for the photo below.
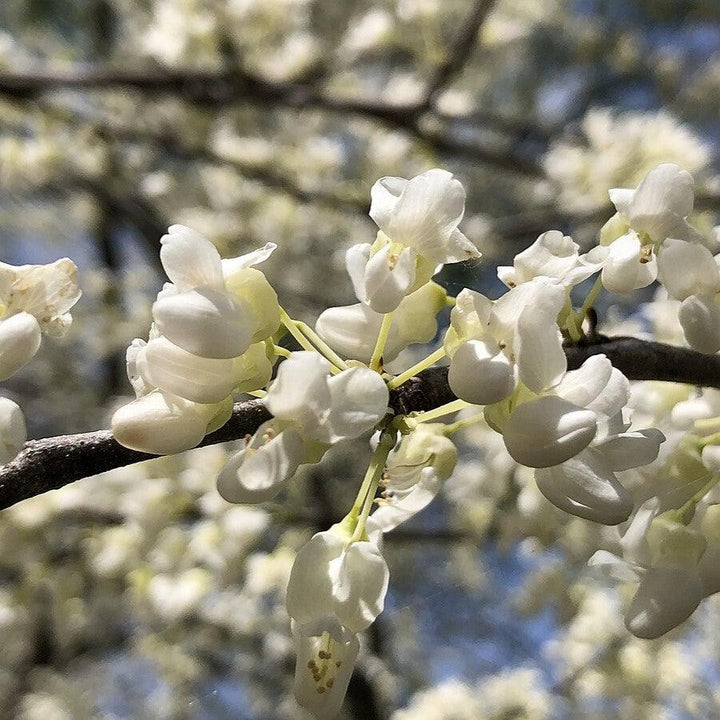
(224, 88)
(51, 463)
(459, 51)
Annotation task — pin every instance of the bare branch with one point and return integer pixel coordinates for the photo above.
(459, 51)
(51, 463)
(228, 87)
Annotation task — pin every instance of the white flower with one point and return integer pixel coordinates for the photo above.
(213, 308)
(13, 434)
(336, 590)
(488, 342)
(381, 280)
(423, 214)
(34, 299)
(311, 411)
(659, 205)
(626, 264)
(161, 423)
(577, 440)
(47, 292)
(166, 366)
(552, 255)
(699, 316)
(323, 669)
(353, 330)
(414, 473)
(663, 555)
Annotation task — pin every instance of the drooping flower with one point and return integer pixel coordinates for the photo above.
(414, 474)
(336, 589)
(311, 411)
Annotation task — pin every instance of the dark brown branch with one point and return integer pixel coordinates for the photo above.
(228, 87)
(459, 51)
(51, 463)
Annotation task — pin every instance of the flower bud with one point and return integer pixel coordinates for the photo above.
(13, 434)
(19, 341)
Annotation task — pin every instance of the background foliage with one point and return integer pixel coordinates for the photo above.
(141, 593)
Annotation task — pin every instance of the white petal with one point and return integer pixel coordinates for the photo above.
(548, 431)
(552, 255)
(699, 316)
(613, 566)
(189, 259)
(20, 338)
(356, 260)
(384, 195)
(323, 697)
(310, 591)
(13, 434)
(687, 268)
(203, 380)
(480, 374)
(665, 189)
(386, 281)
(597, 386)
(665, 598)
(631, 449)
(205, 322)
(404, 505)
(258, 472)
(359, 399)
(231, 266)
(300, 392)
(360, 586)
(161, 423)
(539, 353)
(350, 330)
(47, 292)
(585, 486)
(426, 214)
(622, 198)
(623, 272)
(250, 288)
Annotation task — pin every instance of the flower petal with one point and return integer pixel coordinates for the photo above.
(665, 598)
(548, 431)
(20, 338)
(258, 472)
(190, 260)
(585, 486)
(623, 270)
(204, 322)
(687, 268)
(699, 316)
(361, 585)
(13, 433)
(480, 374)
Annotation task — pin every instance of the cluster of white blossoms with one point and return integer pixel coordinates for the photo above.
(216, 331)
(34, 300)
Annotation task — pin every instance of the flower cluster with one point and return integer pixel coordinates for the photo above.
(218, 331)
(34, 300)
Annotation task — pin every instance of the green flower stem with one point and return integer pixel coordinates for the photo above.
(293, 329)
(321, 345)
(431, 359)
(460, 424)
(376, 359)
(281, 351)
(446, 409)
(571, 321)
(364, 500)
